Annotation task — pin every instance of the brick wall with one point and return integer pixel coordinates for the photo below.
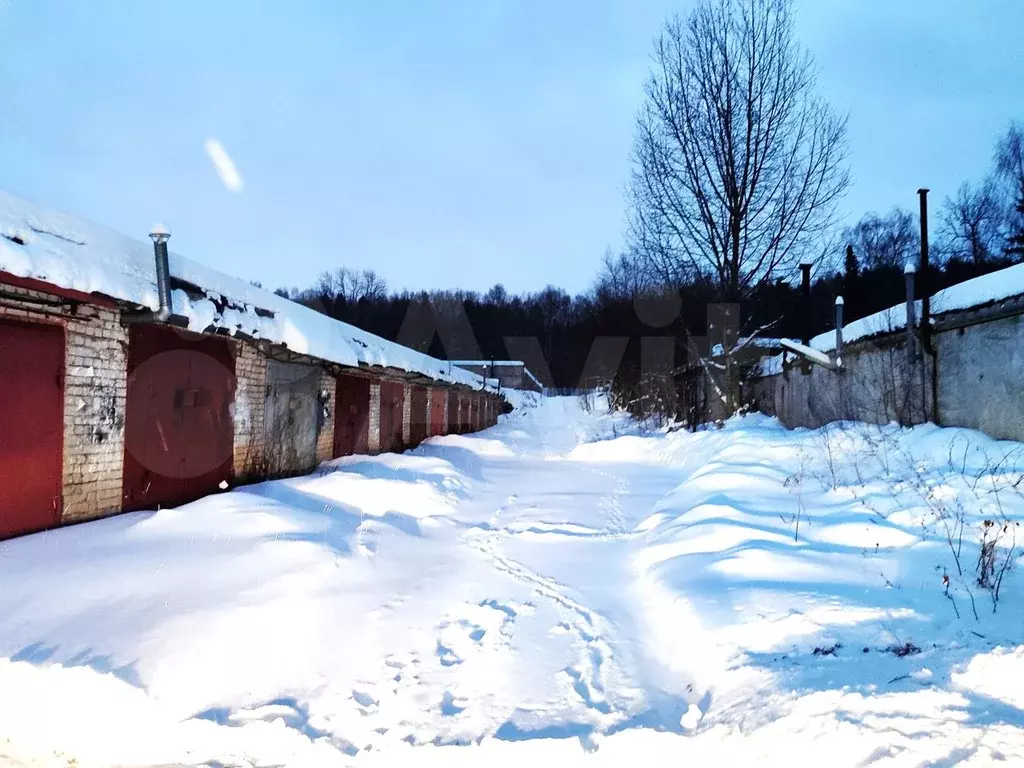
(249, 410)
(325, 437)
(95, 386)
(373, 429)
(444, 425)
(95, 390)
(406, 414)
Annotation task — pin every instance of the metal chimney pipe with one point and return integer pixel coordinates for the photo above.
(839, 332)
(805, 269)
(908, 276)
(160, 235)
(926, 302)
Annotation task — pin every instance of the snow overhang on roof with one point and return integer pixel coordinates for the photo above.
(75, 254)
(486, 362)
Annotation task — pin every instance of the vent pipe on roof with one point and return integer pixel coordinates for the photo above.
(839, 333)
(925, 277)
(805, 281)
(160, 235)
(908, 276)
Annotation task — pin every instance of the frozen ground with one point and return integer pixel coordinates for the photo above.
(559, 589)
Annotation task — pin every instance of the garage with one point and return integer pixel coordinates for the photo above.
(418, 421)
(465, 424)
(351, 415)
(437, 421)
(290, 417)
(392, 403)
(178, 427)
(32, 426)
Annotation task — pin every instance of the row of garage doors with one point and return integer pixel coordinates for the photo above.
(179, 421)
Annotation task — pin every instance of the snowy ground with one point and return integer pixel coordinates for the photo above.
(559, 588)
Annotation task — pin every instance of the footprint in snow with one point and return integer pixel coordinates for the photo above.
(450, 706)
(364, 698)
(447, 656)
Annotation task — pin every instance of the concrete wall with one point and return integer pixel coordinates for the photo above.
(981, 377)
(290, 417)
(978, 381)
(875, 384)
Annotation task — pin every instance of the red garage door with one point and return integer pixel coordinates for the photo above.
(352, 416)
(453, 412)
(437, 399)
(392, 400)
(31, 426)
(417, 416)
(178, 427)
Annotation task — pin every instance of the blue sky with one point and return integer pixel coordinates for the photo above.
(443, 144)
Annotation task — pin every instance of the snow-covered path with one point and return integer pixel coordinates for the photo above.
(558, 588)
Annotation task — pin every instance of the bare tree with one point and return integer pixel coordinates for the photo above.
(884, 241)
(1009, 156)
(621, 277)
(497, 295)
(1009, 162)
(738, 163)
(350, 286)
(973, 223)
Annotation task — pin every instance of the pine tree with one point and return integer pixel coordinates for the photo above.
(852, 267)
(1015, 242)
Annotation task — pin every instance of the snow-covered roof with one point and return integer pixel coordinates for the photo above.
(761, 342)
(486, 362)
(975, 293)
(79, 255)
(533, 378)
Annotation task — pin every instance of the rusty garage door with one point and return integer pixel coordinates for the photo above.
(351, 416)
(437, 399)
(290, 417)
(392, 401)
(453, 412)
(31, 426)
(417, 416)
(178, 428)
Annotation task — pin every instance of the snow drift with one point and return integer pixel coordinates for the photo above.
(562, 588)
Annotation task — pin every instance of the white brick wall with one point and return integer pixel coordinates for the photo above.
(406, 414)
(249, 411)
(325, 439)
(373, 435)
(444, 425)
(95, 391)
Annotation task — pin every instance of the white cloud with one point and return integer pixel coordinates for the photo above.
(225, 167)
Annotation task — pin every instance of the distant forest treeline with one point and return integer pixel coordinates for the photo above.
(565, 326)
